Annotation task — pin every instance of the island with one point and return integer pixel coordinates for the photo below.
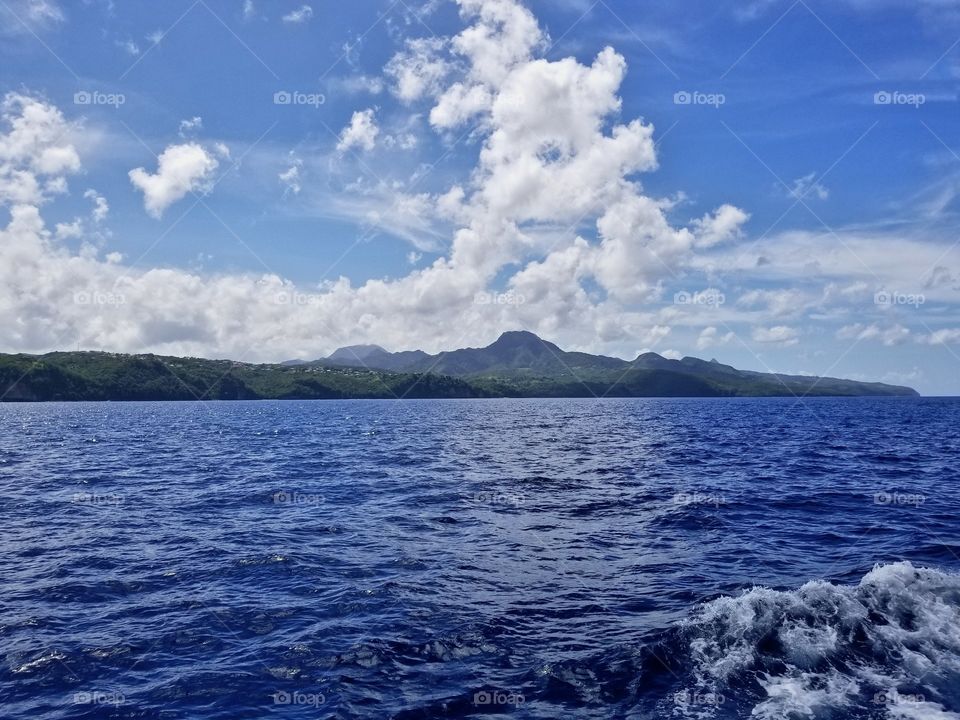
(518, 364)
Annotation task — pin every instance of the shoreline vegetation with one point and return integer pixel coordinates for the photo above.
(517, 365)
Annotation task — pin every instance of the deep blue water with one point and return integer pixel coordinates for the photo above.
(429, 559)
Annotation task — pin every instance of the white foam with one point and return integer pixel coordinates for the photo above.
(806, 695)
(920, 711)
(825, 647)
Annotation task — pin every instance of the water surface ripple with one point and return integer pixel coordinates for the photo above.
(767, 558)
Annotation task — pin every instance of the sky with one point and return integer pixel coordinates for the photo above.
(771, 183)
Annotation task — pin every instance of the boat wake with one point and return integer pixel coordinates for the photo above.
(888, 647)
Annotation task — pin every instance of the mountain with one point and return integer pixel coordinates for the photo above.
(517, 364)
(520, 363)
(374, 356)
(513, 352)
(109, 376)
(359, 353)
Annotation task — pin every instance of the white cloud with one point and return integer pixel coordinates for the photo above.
(361, 132)
(44, 12)
(290, 178)
(854, 258)
(129, 46)
(710, 337)
(100, 206)
(86, 227)
(720, 226)
(778, 303)
(181, 169)
(418, 69)
(947, 336)
(249, 9)
(190, 126)
(460, 103)
(25, 16)
(300, 15)
(36, 152)
(889, 336)
(67, 231)
(552, 211)
(385, 209)
(781, 335)
(807, 187)
(401, 140)
(501, 40)
(359, 84)
(504, 34)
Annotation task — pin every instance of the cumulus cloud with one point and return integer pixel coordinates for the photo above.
(68, 231)
(36, 153)
(552, 157)
(720, 226)
(418, 69)
(300, 15)
(504, 34)
(553, 212)
(781, 335)
(360, 133)
(89, 227)
(181, 169)
(854, 264)
(710, 337)
(100, 206)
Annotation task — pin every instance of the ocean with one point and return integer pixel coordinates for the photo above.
(647, 558)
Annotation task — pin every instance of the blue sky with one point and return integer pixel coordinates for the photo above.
(770, 183)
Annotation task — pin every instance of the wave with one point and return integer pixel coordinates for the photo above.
(888, 647)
